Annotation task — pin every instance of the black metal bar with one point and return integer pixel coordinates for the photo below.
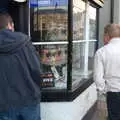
(62, 95)
(70, 37)
(112, 11)
(97, 28)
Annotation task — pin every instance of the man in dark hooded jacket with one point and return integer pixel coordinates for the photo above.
(19, 74)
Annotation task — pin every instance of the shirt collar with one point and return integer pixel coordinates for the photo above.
(115, 40)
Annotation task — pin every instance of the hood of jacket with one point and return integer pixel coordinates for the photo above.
(11, 41)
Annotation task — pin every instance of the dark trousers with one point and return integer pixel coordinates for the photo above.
(31, 112)
(113, 105)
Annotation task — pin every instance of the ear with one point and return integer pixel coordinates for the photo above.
(106, 39)
(10, 26)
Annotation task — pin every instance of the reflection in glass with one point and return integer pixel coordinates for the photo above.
(53, 59)
(92, 16)
(84, 20)
(78, 72)
(50, 20)
(78, 19)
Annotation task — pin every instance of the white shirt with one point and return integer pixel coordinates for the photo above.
(107, 67)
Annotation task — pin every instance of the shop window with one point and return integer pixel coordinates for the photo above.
(84, 41)
(78, 19)
(49, 35)
(64, 34)
(49, 20)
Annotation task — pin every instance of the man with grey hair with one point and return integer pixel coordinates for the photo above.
(107, 70)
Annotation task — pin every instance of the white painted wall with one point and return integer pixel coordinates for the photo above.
(116, 11)
(74, 110)
(105, 17)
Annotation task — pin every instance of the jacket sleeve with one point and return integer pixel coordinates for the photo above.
(33, 62)
(99, 72)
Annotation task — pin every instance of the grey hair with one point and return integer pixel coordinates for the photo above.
(112, 30)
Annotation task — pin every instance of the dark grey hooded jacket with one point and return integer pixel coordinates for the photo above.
(19, 71)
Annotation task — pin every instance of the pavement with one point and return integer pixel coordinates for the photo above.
(101, 111)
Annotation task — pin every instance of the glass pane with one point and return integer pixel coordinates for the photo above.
(49, 23)
(84, 21)
(92, 48)
(78, 19)
(53, 59)
(92, 22)
(49, 20)
(79, 72)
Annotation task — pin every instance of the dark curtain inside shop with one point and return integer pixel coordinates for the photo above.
(4, 5)
(14, 11)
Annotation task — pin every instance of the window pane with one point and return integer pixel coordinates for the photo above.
(92, 22)
(79, 73)
(84, 41)
(49, 19)
(92, 46)
(53, 59)
(78, 19)
(49, 23)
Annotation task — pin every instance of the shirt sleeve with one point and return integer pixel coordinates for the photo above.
(99, 72)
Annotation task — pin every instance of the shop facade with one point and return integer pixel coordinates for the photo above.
(65, 34)
(67, 38)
